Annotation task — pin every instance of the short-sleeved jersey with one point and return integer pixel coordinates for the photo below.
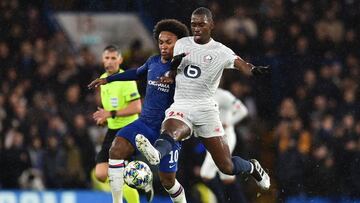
(117, 95)
(158, 96)
(199, 73)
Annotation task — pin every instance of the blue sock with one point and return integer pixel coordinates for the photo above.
(241, 165)
(164, 144)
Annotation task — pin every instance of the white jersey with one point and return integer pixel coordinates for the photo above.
(231, 109)
(199, 73)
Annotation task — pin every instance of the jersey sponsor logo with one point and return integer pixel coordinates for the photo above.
(160, 86)
(192, 71)
(172, 166)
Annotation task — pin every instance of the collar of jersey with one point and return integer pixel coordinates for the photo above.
(202, 45)
(104, 75)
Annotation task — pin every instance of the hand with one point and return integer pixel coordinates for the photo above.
(166, 80)
(101, 115)
(176, 60)
(97, 83)
(260, 70)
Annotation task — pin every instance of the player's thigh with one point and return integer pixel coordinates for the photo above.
(176, 128)
(167, 179)
(103, 155)
(207, 124)
(101, 171)
(219, 150)
(121, 148)
(208, 168)
(177, 123)
(125, 138)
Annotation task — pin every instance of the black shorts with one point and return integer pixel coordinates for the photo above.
(103, 155)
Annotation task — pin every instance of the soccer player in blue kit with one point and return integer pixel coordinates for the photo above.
(158, 98)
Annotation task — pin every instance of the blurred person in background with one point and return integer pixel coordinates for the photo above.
(158, 98)
(15, 159)
(121, 106)
(80, 131)
(54, 163)
(231, 111)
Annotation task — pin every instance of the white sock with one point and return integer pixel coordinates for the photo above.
(252, 168)
(116, 179)
(177, 193)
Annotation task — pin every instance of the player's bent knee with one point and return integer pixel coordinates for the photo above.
(121, 149)
(101, 175)
(114, 152)
(176, 129)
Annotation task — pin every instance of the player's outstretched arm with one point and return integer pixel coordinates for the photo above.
(97, 82)
(250, 69)
(128, 75)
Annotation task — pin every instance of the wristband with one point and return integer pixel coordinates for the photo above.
(113, 114)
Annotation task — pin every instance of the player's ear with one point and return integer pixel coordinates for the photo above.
(120, 59)
(212, 25)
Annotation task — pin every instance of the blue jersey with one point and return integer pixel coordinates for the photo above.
(158, 96)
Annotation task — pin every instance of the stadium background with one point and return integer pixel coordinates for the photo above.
(304, 122)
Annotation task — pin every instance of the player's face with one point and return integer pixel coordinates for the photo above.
(201, 28)
(111, 61)
(166, 44)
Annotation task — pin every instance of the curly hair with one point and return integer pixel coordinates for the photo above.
(171, 25)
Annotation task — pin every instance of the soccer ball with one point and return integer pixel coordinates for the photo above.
(137, 174)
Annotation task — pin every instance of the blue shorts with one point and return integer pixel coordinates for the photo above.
(168, 163)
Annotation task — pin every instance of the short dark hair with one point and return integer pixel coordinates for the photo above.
(203, 11)
(112, 48)
(171, 25)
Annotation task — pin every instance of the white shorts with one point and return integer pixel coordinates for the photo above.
(209, 169)
(203, 121)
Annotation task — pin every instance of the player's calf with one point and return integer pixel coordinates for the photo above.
(177, 193)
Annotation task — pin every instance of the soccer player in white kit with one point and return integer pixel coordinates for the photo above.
(194, 110)
(232, 110)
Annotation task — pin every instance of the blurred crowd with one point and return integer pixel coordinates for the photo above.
(304, 122)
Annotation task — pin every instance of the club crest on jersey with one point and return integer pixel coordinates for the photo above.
(207, 59)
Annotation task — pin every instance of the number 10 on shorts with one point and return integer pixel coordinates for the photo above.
(174, 155)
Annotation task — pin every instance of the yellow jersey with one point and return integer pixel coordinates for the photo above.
(117, 95)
